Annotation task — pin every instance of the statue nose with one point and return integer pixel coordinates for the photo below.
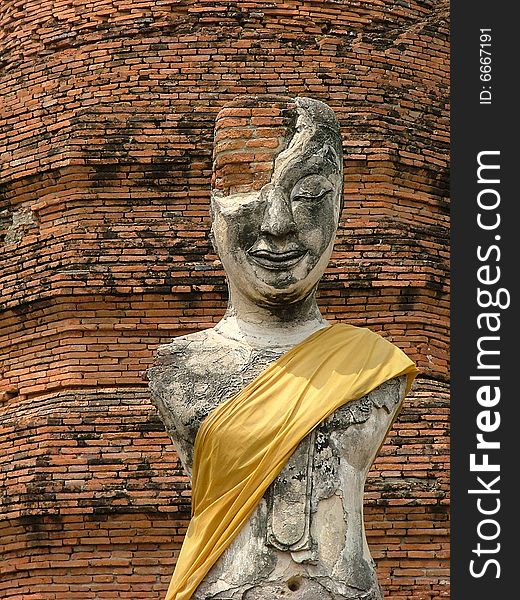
(278, 220)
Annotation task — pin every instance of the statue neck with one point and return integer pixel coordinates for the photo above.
(271, 327)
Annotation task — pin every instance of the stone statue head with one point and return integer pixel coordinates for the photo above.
(277, 192)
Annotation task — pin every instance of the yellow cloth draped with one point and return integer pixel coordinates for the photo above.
(245, 442)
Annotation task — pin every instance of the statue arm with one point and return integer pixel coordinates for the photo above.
(167, 393)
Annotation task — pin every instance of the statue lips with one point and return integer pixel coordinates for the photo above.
(277, 260)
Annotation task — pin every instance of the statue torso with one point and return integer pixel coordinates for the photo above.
(306, 537)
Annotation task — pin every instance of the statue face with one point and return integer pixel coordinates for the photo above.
(275, 242)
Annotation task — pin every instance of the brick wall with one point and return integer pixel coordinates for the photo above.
(106, 127)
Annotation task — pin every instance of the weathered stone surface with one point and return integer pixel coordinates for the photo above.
(274, 234)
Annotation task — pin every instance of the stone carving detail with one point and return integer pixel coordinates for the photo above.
(276, 200)
(290, 501)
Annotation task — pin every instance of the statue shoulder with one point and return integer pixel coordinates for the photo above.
(389, 394)
(182, 347)
(201, 356)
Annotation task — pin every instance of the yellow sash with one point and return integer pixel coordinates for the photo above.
(245, 442)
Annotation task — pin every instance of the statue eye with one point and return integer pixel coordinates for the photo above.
(311, 189)
(310, 196)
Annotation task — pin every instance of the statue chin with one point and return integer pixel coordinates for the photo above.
(284, 299)
(282, 286)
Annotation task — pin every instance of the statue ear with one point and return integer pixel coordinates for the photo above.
(212, 219)
(212, 240)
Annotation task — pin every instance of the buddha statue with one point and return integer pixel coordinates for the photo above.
(277, 195)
